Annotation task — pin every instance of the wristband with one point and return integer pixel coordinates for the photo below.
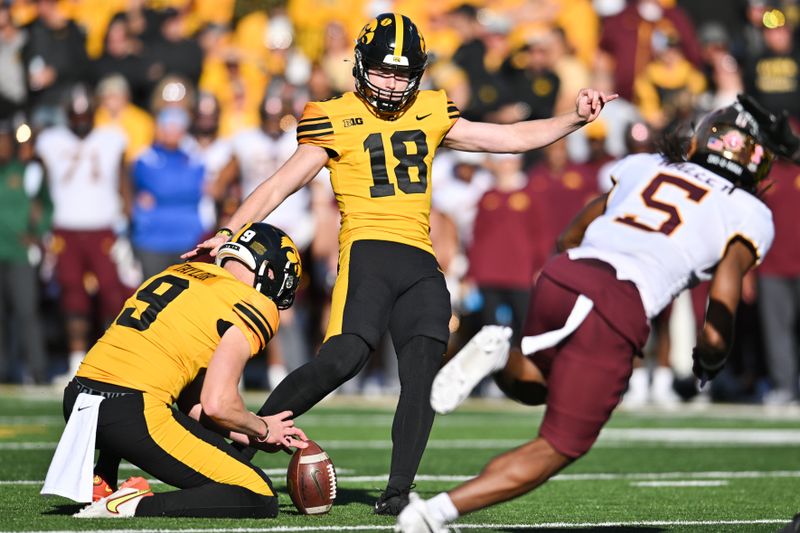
(266, 435)
(225, 231)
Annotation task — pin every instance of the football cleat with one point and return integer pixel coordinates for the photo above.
(119, 504)
(484, 354)
(391, 501)
(417, 518)
(100, 489)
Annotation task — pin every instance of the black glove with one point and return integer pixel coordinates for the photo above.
(706, 364)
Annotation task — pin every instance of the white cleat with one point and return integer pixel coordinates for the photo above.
(119, 504)
(484, 354)
(416, 518)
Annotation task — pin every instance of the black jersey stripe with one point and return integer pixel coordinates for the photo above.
(310, 135)
(314, 127)
(261, 316)
(252, 321)
(313, 120)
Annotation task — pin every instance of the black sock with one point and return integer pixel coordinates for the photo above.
(418, 361)
(107, 467)
(339, 359)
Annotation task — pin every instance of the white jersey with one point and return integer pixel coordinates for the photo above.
(83, 176)
(667, 226)
(260, 156)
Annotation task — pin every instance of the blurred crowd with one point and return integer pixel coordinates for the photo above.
(130, 129)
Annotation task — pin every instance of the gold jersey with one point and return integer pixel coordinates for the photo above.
(168, 330)
(380, 169)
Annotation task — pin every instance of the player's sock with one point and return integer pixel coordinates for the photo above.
(107, 467)
(417, 363)
(339, 359)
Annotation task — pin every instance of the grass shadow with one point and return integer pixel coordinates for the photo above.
(65, 510)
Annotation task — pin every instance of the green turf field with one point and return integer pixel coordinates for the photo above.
(700, 468)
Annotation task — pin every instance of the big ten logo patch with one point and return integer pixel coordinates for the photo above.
(355, 121)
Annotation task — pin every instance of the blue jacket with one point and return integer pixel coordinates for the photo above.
(175, 180)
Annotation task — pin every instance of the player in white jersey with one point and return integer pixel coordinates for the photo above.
(83, 166)
(670, 220)
(257, 154)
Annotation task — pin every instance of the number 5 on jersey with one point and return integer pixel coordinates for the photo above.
(400, 142)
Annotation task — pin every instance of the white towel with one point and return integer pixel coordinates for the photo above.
(72, 468)
(548, 339)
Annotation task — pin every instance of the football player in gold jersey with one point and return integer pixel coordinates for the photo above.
(192, 319)
(378, 144)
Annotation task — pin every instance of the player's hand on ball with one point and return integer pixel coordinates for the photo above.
(283, 433)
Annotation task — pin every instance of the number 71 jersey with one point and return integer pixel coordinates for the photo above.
(667, 226)
(380, 169)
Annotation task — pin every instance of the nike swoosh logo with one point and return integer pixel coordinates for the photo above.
(420, 117)
(112, 505)
(314, 474)
(84, 407)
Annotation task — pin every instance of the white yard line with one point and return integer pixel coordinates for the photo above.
(490, 526)
(679, 484)
(683, 477)
(612, 437)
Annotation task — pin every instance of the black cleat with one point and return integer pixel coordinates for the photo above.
(391, 501)
(793, 527)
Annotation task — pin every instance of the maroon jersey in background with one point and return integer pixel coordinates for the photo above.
(503, 252)
(783, 198)
(559, 195)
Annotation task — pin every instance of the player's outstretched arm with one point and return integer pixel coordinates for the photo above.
(573, 233)
(305, 163)
(726, 290)
(530, 134)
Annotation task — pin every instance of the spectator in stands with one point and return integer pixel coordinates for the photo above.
(166, 185)
(214, 152)
(773, 76)
(667, 88)
(238, 83)
(504, 255)
(461, 180)
(122, 54)
(55, 59)
(337, 58)
(533, 85)
(173, 53)
(83, 165)
(114, 108)
(720, 67)
(258, 153)
(779, 286)
(24, 216)
(625, 42)
(12, 82)
(560, 189)
(486, 90)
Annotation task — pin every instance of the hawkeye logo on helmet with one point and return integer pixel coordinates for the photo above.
(368, 32)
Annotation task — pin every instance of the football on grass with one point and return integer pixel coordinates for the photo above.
(311, 480)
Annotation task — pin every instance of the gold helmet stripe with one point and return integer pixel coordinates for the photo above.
(398, 34)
